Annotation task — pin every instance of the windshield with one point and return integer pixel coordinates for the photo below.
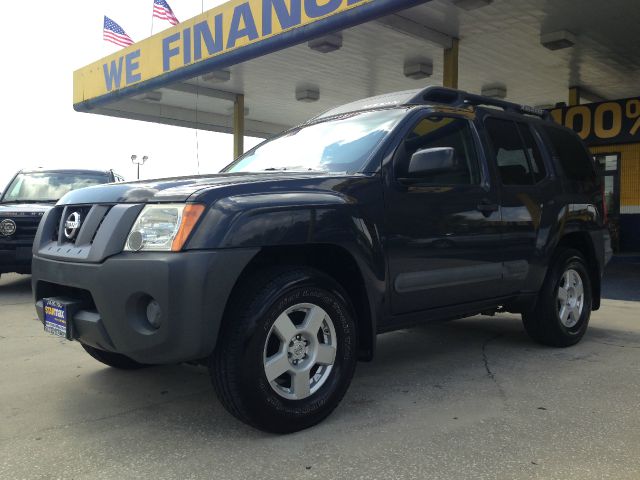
(342, 144)
(49, 186)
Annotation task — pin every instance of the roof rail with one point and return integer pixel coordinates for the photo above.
(460, 98)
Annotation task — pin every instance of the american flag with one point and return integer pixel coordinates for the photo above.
(162, 10)
(114, 33)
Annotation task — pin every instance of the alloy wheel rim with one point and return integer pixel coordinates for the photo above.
(300, 351)
(570, 298)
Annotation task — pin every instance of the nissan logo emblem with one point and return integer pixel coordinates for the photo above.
(7, 227)
(72, 225)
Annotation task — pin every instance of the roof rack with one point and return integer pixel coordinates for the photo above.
(459, 98)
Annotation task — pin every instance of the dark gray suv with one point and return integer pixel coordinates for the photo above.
(28, 196)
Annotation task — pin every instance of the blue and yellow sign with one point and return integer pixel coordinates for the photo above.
(603, 123)
(55, 317)
(233, 32)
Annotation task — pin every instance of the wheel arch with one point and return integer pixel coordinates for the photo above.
(338, 263)
(583, 242)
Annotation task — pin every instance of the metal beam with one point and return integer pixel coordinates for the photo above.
(415, 29)
(450, 70)
(238, 126)
(183, 117)
(204, 91)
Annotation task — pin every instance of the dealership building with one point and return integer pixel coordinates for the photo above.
(257, 67)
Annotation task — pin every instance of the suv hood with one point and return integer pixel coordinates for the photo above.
(176, 189)
(24, 209)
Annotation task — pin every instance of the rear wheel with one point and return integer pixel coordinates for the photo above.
(285, 359)
(563, 308)
(115, 360)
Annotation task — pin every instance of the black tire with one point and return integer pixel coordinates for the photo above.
(115, 360)
(543, 322)
(237, 367)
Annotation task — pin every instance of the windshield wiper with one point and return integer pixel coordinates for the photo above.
(290, 169)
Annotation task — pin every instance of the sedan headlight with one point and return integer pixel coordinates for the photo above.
(163, 227)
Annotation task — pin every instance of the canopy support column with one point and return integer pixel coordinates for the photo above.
(450, 73)
(574, 96)
(238, 126)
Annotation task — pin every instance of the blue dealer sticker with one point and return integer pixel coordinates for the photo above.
(55, 318)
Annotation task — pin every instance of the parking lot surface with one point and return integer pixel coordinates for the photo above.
(469, 399)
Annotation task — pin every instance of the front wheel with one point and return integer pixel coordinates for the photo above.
(285, 359)
(563, 308)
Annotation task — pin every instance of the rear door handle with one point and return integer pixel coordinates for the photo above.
(487, 208)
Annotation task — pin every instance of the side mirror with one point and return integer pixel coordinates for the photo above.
(431, 161)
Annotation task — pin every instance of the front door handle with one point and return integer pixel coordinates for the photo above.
(487, 208)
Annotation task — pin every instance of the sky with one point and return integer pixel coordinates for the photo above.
(44, 43)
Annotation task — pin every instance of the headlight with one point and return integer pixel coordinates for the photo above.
(163, 227)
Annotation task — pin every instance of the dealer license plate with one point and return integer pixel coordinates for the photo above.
(55, 317)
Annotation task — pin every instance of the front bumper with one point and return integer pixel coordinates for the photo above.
(15, 257)
(191, 288)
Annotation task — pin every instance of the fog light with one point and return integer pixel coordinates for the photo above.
(154, 313)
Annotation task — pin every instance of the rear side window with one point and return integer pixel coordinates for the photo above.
(533, 151)
(513, 162)
(572, 155)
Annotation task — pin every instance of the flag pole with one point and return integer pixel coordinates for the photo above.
(152, 5)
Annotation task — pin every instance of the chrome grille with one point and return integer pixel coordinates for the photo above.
(81, 212)
(79, 223)
(102, 232)
(26, 225)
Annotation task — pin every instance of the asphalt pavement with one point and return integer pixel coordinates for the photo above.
(469, 399)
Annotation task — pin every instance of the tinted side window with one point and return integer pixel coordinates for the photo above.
(435, 132)
(511, 157)
(535, 156)
(572, 155)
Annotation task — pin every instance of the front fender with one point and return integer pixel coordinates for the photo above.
(307, 220)
(275, 219)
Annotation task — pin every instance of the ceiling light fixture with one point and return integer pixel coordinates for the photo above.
(558, 40)
(217, 76)
(494, 91)
(152, 96)
(418, 69)
(326, 44)
(307, 94)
